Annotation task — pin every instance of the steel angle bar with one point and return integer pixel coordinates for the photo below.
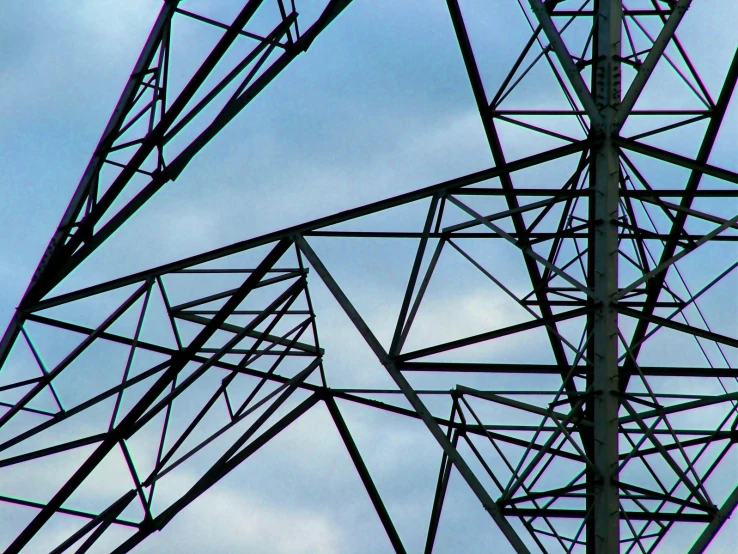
(480, 367)
(668, 127)
(255, 334)
(653, 495)
(527, 250)
(402, 318)
(679, 193)
(647, 431)
(65, 511)
(412, 397)
(535, 128)
(665, 410)
(225, 294)
(490, 335)
(106, 517)
(677, 159)
(22, 383)
(551, 493)
(541, 11)
(654, 55)
(581, 514)
(546, 412)
(421, 293)
(689, 211)
(552, 369)
(522, 192)
(444, 474)
(640, 452)
(133, 473)
(522, 304)
(670, 324)
(132, 351)
(505, 214)
(718, 520)
(50, 450)
(366, 478)
(29, 410)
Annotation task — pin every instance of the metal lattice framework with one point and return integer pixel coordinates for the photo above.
(609, 443)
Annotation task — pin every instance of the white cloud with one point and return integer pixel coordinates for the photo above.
(226, 520)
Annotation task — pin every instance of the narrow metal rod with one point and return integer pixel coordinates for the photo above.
(366, 478)
(413, 398)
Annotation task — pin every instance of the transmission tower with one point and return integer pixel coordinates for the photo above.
(613, 238)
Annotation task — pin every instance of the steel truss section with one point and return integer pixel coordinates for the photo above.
(607, 446)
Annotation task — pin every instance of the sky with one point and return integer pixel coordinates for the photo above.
(378, 106)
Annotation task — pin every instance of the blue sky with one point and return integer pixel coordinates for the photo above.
(379, 105)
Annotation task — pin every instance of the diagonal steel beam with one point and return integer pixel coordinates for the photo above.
(654, 55)
(713, 528)
(689, 329)
(105, 518)
(570, 69)
(366, 478)
(490, 335)
(698, 165)
(412, 397)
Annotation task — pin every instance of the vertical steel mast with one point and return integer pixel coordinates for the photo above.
(605, 182)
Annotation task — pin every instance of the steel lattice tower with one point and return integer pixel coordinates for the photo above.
(611, 444)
